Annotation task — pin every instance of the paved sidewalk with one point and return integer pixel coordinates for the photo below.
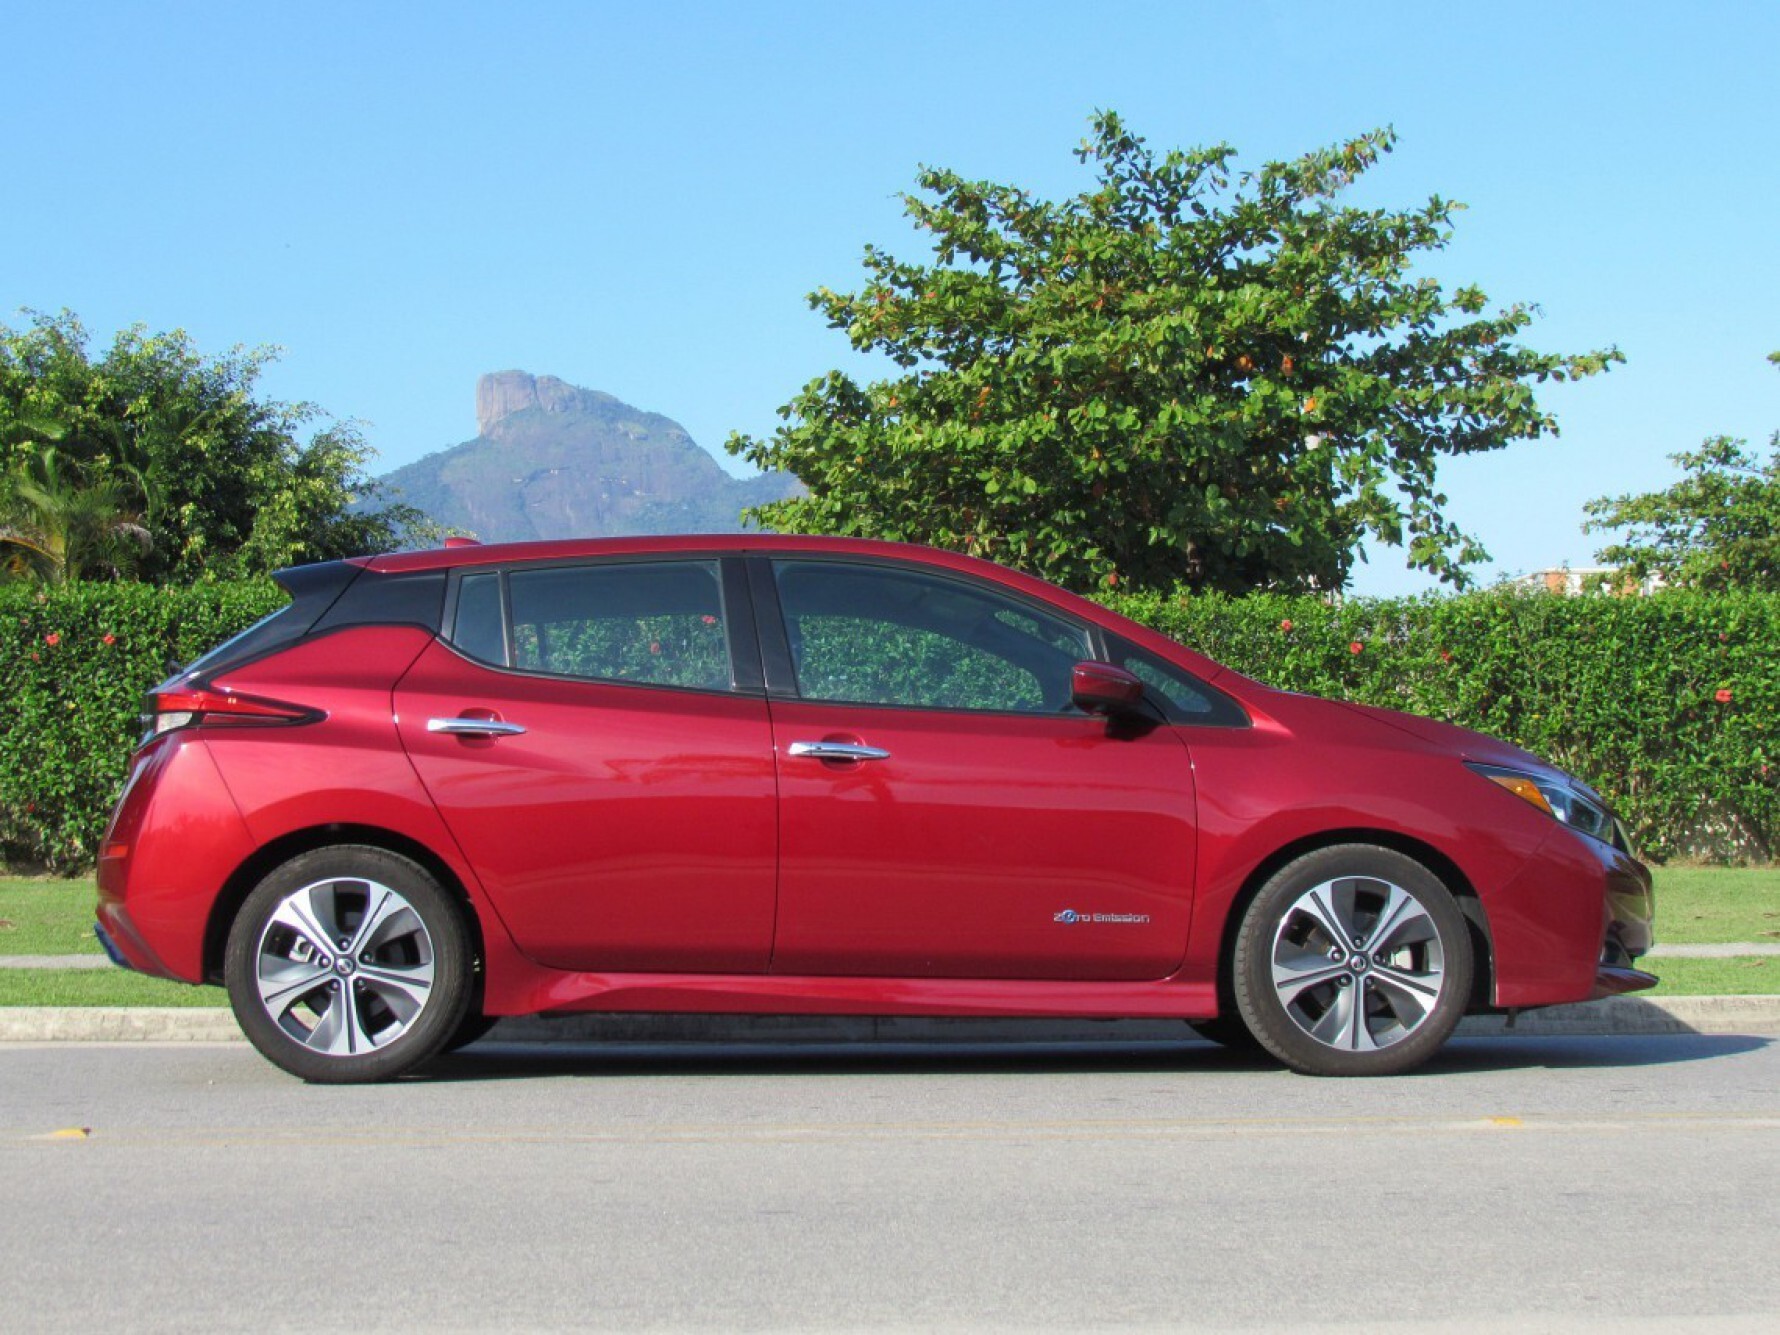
(54, 962)
(215, 1024)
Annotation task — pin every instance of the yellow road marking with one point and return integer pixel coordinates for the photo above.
(1087, 1129)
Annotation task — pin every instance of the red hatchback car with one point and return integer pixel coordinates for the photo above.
(758, 774)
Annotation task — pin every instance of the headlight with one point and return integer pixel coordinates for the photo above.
(1558, 799)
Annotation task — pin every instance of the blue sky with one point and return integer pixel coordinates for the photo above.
(637, 197)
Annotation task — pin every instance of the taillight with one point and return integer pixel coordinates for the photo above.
(166, 711)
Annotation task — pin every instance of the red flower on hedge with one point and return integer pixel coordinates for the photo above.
(654, 646)
(52, 639)
(1286, 625)
(1446, 655)
(709, 621)
(108, 638)
(1356, 648)
(1722, 695)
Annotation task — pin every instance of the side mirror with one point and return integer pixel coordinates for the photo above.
(1102, 688)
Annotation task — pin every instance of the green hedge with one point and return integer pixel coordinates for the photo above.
(1624, 692)
(76, 661)
(1669, 704)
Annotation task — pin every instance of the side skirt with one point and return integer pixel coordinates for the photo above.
(543, 991)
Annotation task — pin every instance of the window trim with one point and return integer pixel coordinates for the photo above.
(740, 633)
(1228, 712)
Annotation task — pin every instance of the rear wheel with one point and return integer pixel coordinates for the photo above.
(1353, 960)
(349, 964)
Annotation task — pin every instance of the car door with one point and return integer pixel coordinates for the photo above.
(944, 811)
(595, 737)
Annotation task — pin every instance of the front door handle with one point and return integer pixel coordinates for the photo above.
(474, 727)
(838, 751)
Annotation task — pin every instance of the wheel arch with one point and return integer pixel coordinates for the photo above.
(278, 851)
(1442, 866)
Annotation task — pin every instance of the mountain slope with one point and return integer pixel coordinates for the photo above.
(552, 460)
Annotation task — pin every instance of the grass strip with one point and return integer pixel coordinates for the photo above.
(1737, 976)
(41, 916)
(100, 987)
(1701, 905)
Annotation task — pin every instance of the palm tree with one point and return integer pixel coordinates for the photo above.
(61, 527)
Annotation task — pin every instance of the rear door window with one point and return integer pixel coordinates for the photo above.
(654, 623)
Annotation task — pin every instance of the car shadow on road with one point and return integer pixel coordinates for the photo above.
(1569, 1051)
(492, 1060)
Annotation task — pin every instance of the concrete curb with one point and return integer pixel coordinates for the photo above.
(159, 1024)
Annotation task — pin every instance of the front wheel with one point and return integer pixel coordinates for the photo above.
(1353, 960)
(349, 964)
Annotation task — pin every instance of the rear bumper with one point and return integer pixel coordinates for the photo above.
(171, 845)
(112, 953)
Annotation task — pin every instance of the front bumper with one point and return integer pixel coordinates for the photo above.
(1612, 981)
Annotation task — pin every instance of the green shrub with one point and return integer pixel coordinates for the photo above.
(75, 661)
(1624, 692)
(1669, 704)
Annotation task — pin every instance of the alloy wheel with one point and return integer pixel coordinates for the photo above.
(1357, 963)
(344, 966)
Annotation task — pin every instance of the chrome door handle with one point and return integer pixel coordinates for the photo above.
(474, 727)
(838, 751)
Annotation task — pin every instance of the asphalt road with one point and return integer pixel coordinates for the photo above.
(1530, 1184)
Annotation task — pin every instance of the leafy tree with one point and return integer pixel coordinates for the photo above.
(65, 528)
(221, 479)
(1183, 375)
(1717, 528)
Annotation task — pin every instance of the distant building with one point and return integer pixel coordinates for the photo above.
(1573, 581)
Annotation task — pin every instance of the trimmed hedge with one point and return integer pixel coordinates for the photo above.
(1670, 704)
(75, 661)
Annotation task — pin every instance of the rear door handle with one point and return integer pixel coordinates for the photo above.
(474, 727)
(838, 751)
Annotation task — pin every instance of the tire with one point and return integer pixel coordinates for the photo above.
(349, 964)
(1353, 960)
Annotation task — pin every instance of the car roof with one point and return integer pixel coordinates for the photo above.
(560, 549)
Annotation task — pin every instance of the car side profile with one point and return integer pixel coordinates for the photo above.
(761, 774)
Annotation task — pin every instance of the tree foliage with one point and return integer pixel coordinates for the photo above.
(151, 437)
(1717, 528)
(64, 528)
(1184, 375)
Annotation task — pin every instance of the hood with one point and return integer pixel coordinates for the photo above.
(1449, 737)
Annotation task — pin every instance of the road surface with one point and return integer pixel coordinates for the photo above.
(1554, 1183)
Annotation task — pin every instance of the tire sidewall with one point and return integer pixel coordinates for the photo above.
(1258, 1001)
(447, 1002)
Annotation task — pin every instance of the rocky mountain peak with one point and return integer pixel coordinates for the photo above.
(501, 394)
(554, 460)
